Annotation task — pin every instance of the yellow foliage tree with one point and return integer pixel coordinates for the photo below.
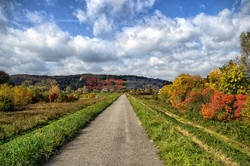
(213, 79)
(182, 86)
(165, 92)
(230, 79)
(54, 93)
(6, 97)
(22, 96)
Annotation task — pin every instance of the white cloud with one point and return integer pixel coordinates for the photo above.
(156, 46)
(45, 47)
(36, 16)
(92, 50)
(155, 61)
(103, 13)
(80, 15)
(102, 25)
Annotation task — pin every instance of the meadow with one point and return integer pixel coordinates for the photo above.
(184, 141)
(32, 116)
(35, 147)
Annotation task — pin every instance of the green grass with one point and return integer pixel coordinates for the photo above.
(173, 147)
(235, 130)
(230, 150)
(14, 124)
(35, 147)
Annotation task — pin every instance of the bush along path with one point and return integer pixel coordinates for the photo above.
(36, 147)
(202, 144)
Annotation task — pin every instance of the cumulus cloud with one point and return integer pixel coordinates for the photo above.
(185, 45)
(155, 46)
(44, 48)
(101, 14)
(92, 50)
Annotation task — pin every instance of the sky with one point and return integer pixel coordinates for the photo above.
(152, 38)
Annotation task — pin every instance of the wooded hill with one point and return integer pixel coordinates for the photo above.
(75, 81)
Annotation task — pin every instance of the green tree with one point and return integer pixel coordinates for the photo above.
(4, 77)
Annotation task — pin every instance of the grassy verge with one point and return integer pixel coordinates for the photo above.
(174, 148)
(219, 146)
(12, 124)
(35, 147)
(235, 130)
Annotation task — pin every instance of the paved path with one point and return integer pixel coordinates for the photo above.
(115, 137)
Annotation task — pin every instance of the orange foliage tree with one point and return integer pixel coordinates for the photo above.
(220, 107)
(238, 105)
(195, 99)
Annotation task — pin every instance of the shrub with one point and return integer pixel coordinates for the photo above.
(165, 93)
(54, 93)
(91, 95)
(238, 105)
(196, 99)
(52, 97)
(62, 97)
(6, 103)
(45, 96)
(220, 107)
(6, 98)
(72, 97)
(182, 86)
(245, 111)
(22, 96)
(39, 95)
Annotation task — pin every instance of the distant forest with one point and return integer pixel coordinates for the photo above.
(74, 81)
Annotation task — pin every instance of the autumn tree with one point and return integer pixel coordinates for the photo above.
(22, 96)
(6, 97)
(230, 79)
(182, 86)
(213, 79)
(54, 93)
(164, 93)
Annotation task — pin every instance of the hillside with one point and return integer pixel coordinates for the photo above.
(75, 81)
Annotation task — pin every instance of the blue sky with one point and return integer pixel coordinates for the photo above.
(155, 38)
(62, 11)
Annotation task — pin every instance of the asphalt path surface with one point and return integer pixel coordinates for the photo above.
(115, 137)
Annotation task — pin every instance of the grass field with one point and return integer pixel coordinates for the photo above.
(35, 147)
(182, 140)
(13, 123)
